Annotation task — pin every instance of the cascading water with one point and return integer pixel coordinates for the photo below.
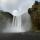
(16, 9)
(17, 24)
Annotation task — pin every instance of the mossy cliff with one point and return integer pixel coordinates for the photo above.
(35, 16)
(4, 17)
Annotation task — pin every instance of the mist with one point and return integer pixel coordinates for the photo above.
(21, 6)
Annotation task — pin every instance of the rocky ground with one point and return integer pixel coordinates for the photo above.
(20, 36)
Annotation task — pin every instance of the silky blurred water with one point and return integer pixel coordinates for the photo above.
(12, 24)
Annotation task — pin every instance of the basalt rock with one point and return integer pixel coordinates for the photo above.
(35, 16)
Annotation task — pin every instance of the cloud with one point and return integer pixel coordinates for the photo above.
(38, 0)
(9, 5)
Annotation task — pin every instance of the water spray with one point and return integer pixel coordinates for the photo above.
(17, 8)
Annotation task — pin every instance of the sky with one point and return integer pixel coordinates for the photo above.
(38, 0)
(15, 3)
(12, 5)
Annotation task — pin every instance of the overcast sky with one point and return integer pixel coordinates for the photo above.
(11, 5)
(18, 3)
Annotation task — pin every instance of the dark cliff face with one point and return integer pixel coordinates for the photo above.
(35, 16)
(4, 17)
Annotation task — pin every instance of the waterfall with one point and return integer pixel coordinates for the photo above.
(17, 24)
(19, 7)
